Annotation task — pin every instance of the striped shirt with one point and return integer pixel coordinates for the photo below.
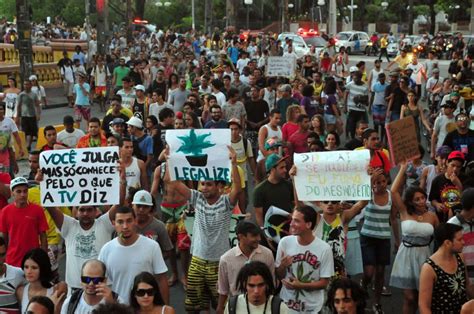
(9, 281)
(211, 226)
(356, 90)
(377, 220)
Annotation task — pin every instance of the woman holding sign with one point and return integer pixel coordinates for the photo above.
(418, 225)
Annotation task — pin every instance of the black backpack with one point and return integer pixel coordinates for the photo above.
(76, 298)
(232, 304)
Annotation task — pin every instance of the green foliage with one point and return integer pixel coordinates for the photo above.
(194, 144)
(8, 9)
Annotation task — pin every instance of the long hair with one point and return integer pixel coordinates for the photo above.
(254, 268)
(289, 112)
(41, 258)
(357, 294)
(408, 198)
(145, 277)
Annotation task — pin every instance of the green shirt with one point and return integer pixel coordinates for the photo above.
(120, 73)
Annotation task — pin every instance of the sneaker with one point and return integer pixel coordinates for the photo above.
(377, 309)
(385, 291)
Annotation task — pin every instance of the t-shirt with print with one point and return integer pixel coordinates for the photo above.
(310, 263)
(7, 127)
(156, 230)
(230, 111)
(445, 191)
(28, 101)
(83, 245)
(125, 262)
(211, 226)
(10, 104)
(242, 154)
(9, 281)
(356, 90)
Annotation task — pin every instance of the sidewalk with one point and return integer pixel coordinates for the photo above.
(56, 97)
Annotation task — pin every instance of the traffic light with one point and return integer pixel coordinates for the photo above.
(100, 4)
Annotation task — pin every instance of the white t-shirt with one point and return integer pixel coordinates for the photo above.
(442, 126)
(354, 90)
(311, 262)
(242, 63)
(82, 306)
(83, 245)
(101, 76)
(70, 139)
(9, 281)
(241, 307)
(125, 262)
(417, 70)
(10, 104)
(220, 98)
(155, 109)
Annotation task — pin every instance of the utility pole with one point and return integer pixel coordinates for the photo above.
(87, 22)
(332, 21)
(102, 28)
(25, 49)
(129, 20)
(284, 17)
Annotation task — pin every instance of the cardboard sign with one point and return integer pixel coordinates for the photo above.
(333, 176)
(79, 177)
(281, 66)
(402, 140)
(199, 155)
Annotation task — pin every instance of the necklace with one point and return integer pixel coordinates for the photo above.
(420, 215)
(248, 308)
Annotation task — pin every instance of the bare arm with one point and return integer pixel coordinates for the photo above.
(143, 174)
(5, 190)
(424, 176)
(43, 241)
(348, 214)
(156, 181)
(162, 281)
(262, 135)
(236, 184)
(427, 279)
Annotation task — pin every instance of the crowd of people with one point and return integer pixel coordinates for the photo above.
(115, 255)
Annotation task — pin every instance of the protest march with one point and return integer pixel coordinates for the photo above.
(252, 179)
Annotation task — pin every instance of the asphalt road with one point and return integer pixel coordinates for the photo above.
(391, 304)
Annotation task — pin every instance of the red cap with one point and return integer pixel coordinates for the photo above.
(456, 155)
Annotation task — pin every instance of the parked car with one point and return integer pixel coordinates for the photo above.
(299, 45)
(354, 42)
(392, 48)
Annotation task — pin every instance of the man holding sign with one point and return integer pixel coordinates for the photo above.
(210, 234)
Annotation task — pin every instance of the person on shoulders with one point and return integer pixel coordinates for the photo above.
(70, 135)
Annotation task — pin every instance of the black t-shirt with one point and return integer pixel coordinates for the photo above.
(399, 98)
(157, 85)
(256, 111)
(109, 118)
(445, 192)
(353, 144)
(139, 108)
(159, 140)
(280, 195)
(461, 142)
(135, 76)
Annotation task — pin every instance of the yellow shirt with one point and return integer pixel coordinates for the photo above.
(402, 62)
(383, 42)
(124, 111)
(52, 234)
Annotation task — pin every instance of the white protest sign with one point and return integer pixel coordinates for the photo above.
(199, 155)
(333, 176)
(79, 177)
(281, 66)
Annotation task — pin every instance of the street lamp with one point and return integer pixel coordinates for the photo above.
(384, 5)
(248, 3)
(320, 4)
(352, 7)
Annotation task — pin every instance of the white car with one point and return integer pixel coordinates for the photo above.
(392, 49)
(354, 42)
(299, 45)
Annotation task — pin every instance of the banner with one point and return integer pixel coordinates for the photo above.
(199, 155)
(281, 66)
(277, 223)
(333, 176)
(402, 140)
(79, 177)
(234, 220)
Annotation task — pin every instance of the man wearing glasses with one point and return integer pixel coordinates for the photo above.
(94, 290)
(462, 139)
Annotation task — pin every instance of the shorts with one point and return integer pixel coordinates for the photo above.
(82, 112)
(375, 252)
(202, 285)
(68, 88)
(379, 112)
(29, 125)
(100, 91)
(329, 118)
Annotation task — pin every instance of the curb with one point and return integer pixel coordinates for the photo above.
(54, 106)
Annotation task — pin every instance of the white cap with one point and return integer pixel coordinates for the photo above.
(136, 122)
(33, 78)
(142, 197)
(140, 87)
(353, 69)
(18, 181)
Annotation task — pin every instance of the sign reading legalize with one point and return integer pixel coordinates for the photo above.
(333, 176)
(402, 140)
(281, 66)
(78, 177)
(199, 155)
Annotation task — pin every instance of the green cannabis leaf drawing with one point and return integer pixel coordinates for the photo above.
(302, 277)
(194, 144)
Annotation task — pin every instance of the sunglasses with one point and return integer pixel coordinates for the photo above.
(330, 202)
(95, 280)
(142, 292)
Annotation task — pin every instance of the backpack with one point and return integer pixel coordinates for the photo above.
(76, 298)
(275, 306)
(136, 148)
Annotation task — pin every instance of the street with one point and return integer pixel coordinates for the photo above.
(54, 116)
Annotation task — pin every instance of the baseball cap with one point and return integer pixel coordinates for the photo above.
(271, 143)
(136, 122)
(435, 70)
(467, 198)
(234, 121)
(443, 151)
(353, 69)
(140, 87)
(116, 121)
(456, 155)
(142, 197)
(18, 181)
(33, 78)
(272, 161)
(68, 120)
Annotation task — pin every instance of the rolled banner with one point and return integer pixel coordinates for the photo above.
(277, 223)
